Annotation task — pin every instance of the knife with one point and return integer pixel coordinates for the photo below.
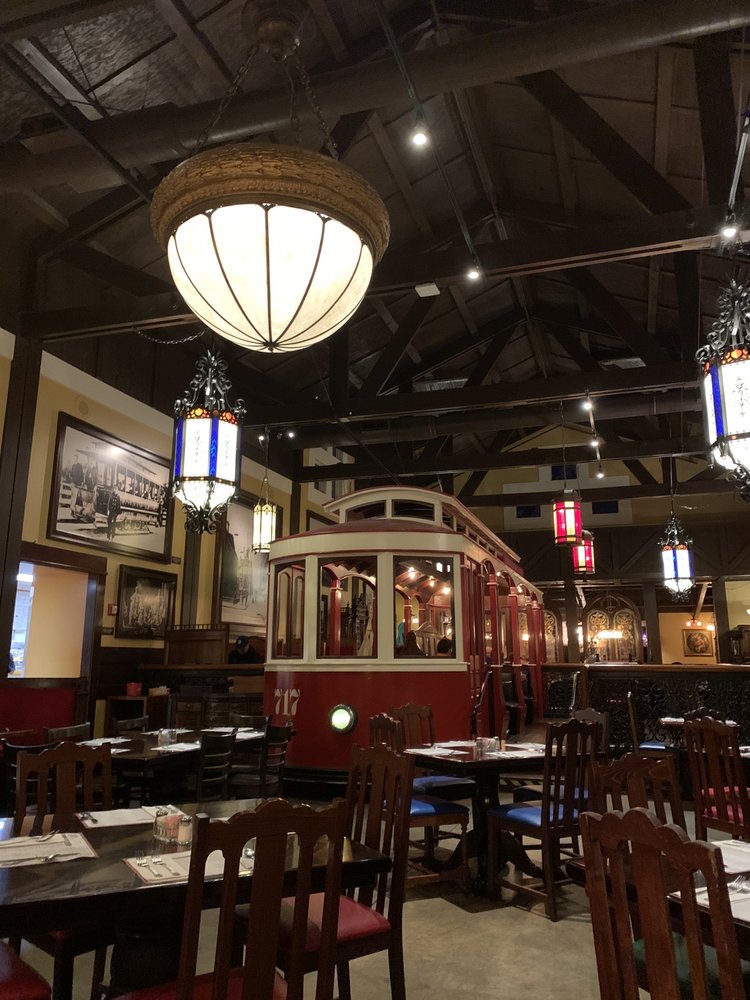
(89, 817)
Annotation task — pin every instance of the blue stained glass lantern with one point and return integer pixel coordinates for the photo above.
(677, 558)
(725, 369)
(207, 445)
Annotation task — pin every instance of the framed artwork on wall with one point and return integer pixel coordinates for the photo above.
(241, 575)
(697, 642)
(109, 494)
(145, 603)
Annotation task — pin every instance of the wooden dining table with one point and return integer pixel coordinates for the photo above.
(464, 759)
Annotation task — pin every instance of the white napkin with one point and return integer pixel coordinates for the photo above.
(736, 855)
(248, 734)
(433, 751)
(115, 817)
(22, 851)
(155, 732)
(176, 867)
(457, 743)
(105, 739)
(179, 747)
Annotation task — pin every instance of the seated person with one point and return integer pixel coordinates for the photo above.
(444, 647)
(243, 652)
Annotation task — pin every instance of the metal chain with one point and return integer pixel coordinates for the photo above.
(313, 102)
(169, 343)
(226, 100)
(294, 121)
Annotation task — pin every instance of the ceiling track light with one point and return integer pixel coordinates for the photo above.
(474, 272)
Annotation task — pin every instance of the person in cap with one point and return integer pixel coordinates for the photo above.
(243, 652)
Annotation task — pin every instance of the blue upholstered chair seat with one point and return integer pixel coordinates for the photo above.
(443, 784)
(683, 968)
(652, 745)
(434, 807)
(520, 812)
(533, 793)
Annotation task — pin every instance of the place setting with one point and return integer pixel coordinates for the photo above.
(20, 852)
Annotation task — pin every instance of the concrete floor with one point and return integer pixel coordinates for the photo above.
(457, 945)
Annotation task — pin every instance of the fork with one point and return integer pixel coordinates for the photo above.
(26, 861)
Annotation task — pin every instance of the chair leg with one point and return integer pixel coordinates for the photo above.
(15, 943)
(342, 977)
(492, 858)
(62, 976)
(548, 865)
(465, 855)
(97, 976)
(396, 969)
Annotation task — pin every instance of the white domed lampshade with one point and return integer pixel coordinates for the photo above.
(270, 246)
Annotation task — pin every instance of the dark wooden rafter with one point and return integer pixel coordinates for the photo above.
(19, 19)
(338, 368)
(636, 469)
(116, 272)
(691, 488)
(713, 84)
(213, 69)
(619, 451)
(395, 349)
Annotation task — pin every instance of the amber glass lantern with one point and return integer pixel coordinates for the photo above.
(566, 519)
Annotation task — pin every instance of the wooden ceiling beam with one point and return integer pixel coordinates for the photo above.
(21, 18)
(396, 347)
(690, 488)
(717, 113)
(620, 451)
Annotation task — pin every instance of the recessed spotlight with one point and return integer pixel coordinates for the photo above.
(587, 404)
(729, 231)
(261, 437)
(291, 433)
(473, 274)
(594, 442)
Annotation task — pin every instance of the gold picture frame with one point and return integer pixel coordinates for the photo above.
(697, 642)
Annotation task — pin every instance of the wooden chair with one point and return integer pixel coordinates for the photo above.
(267, 917)
(419, 730)
(717, 776)
(249, 721)
(137, 725)
(647, 735)
(569, 748)
(642, 949)
(68, 777)
(257, 768)
(370, 917)
(18, 981)
(11, 752)
(71, 734)
(638, 779)
(214, 766)
(533, 791)
(427, 813)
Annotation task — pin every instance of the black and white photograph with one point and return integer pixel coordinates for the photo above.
(108, 493)
(145, 603)
(242, 575)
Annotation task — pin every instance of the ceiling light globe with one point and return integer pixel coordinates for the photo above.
(270, 246)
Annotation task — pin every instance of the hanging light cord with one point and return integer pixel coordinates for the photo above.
(562, 436)
(226, 100)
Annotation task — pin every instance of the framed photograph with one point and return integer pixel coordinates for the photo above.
(109, 494)
(697, 642)
(241, 575)
(145, 603)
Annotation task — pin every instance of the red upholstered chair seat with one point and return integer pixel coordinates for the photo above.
(203, 984)
(734, 815)
(18, 981)
(355, 921)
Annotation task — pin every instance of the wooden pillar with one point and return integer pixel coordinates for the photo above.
(721, 614)
(651, 613)
(515, 634)
(334, 619)
(190, 578)
(15, 457)
(494, 619)
(295, 503)
(407, 617)
(571, 621)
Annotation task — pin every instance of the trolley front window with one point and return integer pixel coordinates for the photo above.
(347, 606)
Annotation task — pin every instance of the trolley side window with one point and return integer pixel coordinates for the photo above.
(423, 606)
(289, 610)
(347, 601)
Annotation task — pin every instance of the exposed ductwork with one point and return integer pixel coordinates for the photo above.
(167, 132)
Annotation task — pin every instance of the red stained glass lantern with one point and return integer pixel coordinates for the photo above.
(583, 555)
(566, 517)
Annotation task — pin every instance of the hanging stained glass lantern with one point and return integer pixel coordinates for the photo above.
(725, 367)
(677, 557)
(207, 445)
(583, 555)
(566, 519)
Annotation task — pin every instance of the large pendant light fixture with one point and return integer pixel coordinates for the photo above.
(725, 366)
(583, 555)
(207, 445)
(677, 557)
(271, 246)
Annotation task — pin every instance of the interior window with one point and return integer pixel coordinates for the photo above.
(289, 610)
(423, 606)
(346, 606)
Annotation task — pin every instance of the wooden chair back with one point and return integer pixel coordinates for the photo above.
(701, 713)
(137, 725)
(570, 747)
(635, 849)
(638, 779)
(718, 777)
(383, 777)
(276, 745)
(214, 765)
(67, 777)
(72, 734)
(249, 721)
(388, 731)
(318, 839)
(592, 715)
(417, 724)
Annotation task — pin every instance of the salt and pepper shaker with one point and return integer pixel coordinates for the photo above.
(185, 831)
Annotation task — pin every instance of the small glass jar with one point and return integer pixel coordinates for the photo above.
(160, 825)
(185, 831)
(162, 740)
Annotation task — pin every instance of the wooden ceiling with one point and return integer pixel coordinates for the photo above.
(583, 149)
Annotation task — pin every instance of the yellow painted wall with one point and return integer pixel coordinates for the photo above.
(738, 601)
(57, 618)
(671, 625)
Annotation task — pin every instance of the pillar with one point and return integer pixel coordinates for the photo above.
(721, 614)
(651, 614)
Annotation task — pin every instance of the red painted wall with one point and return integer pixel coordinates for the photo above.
(309, 697)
